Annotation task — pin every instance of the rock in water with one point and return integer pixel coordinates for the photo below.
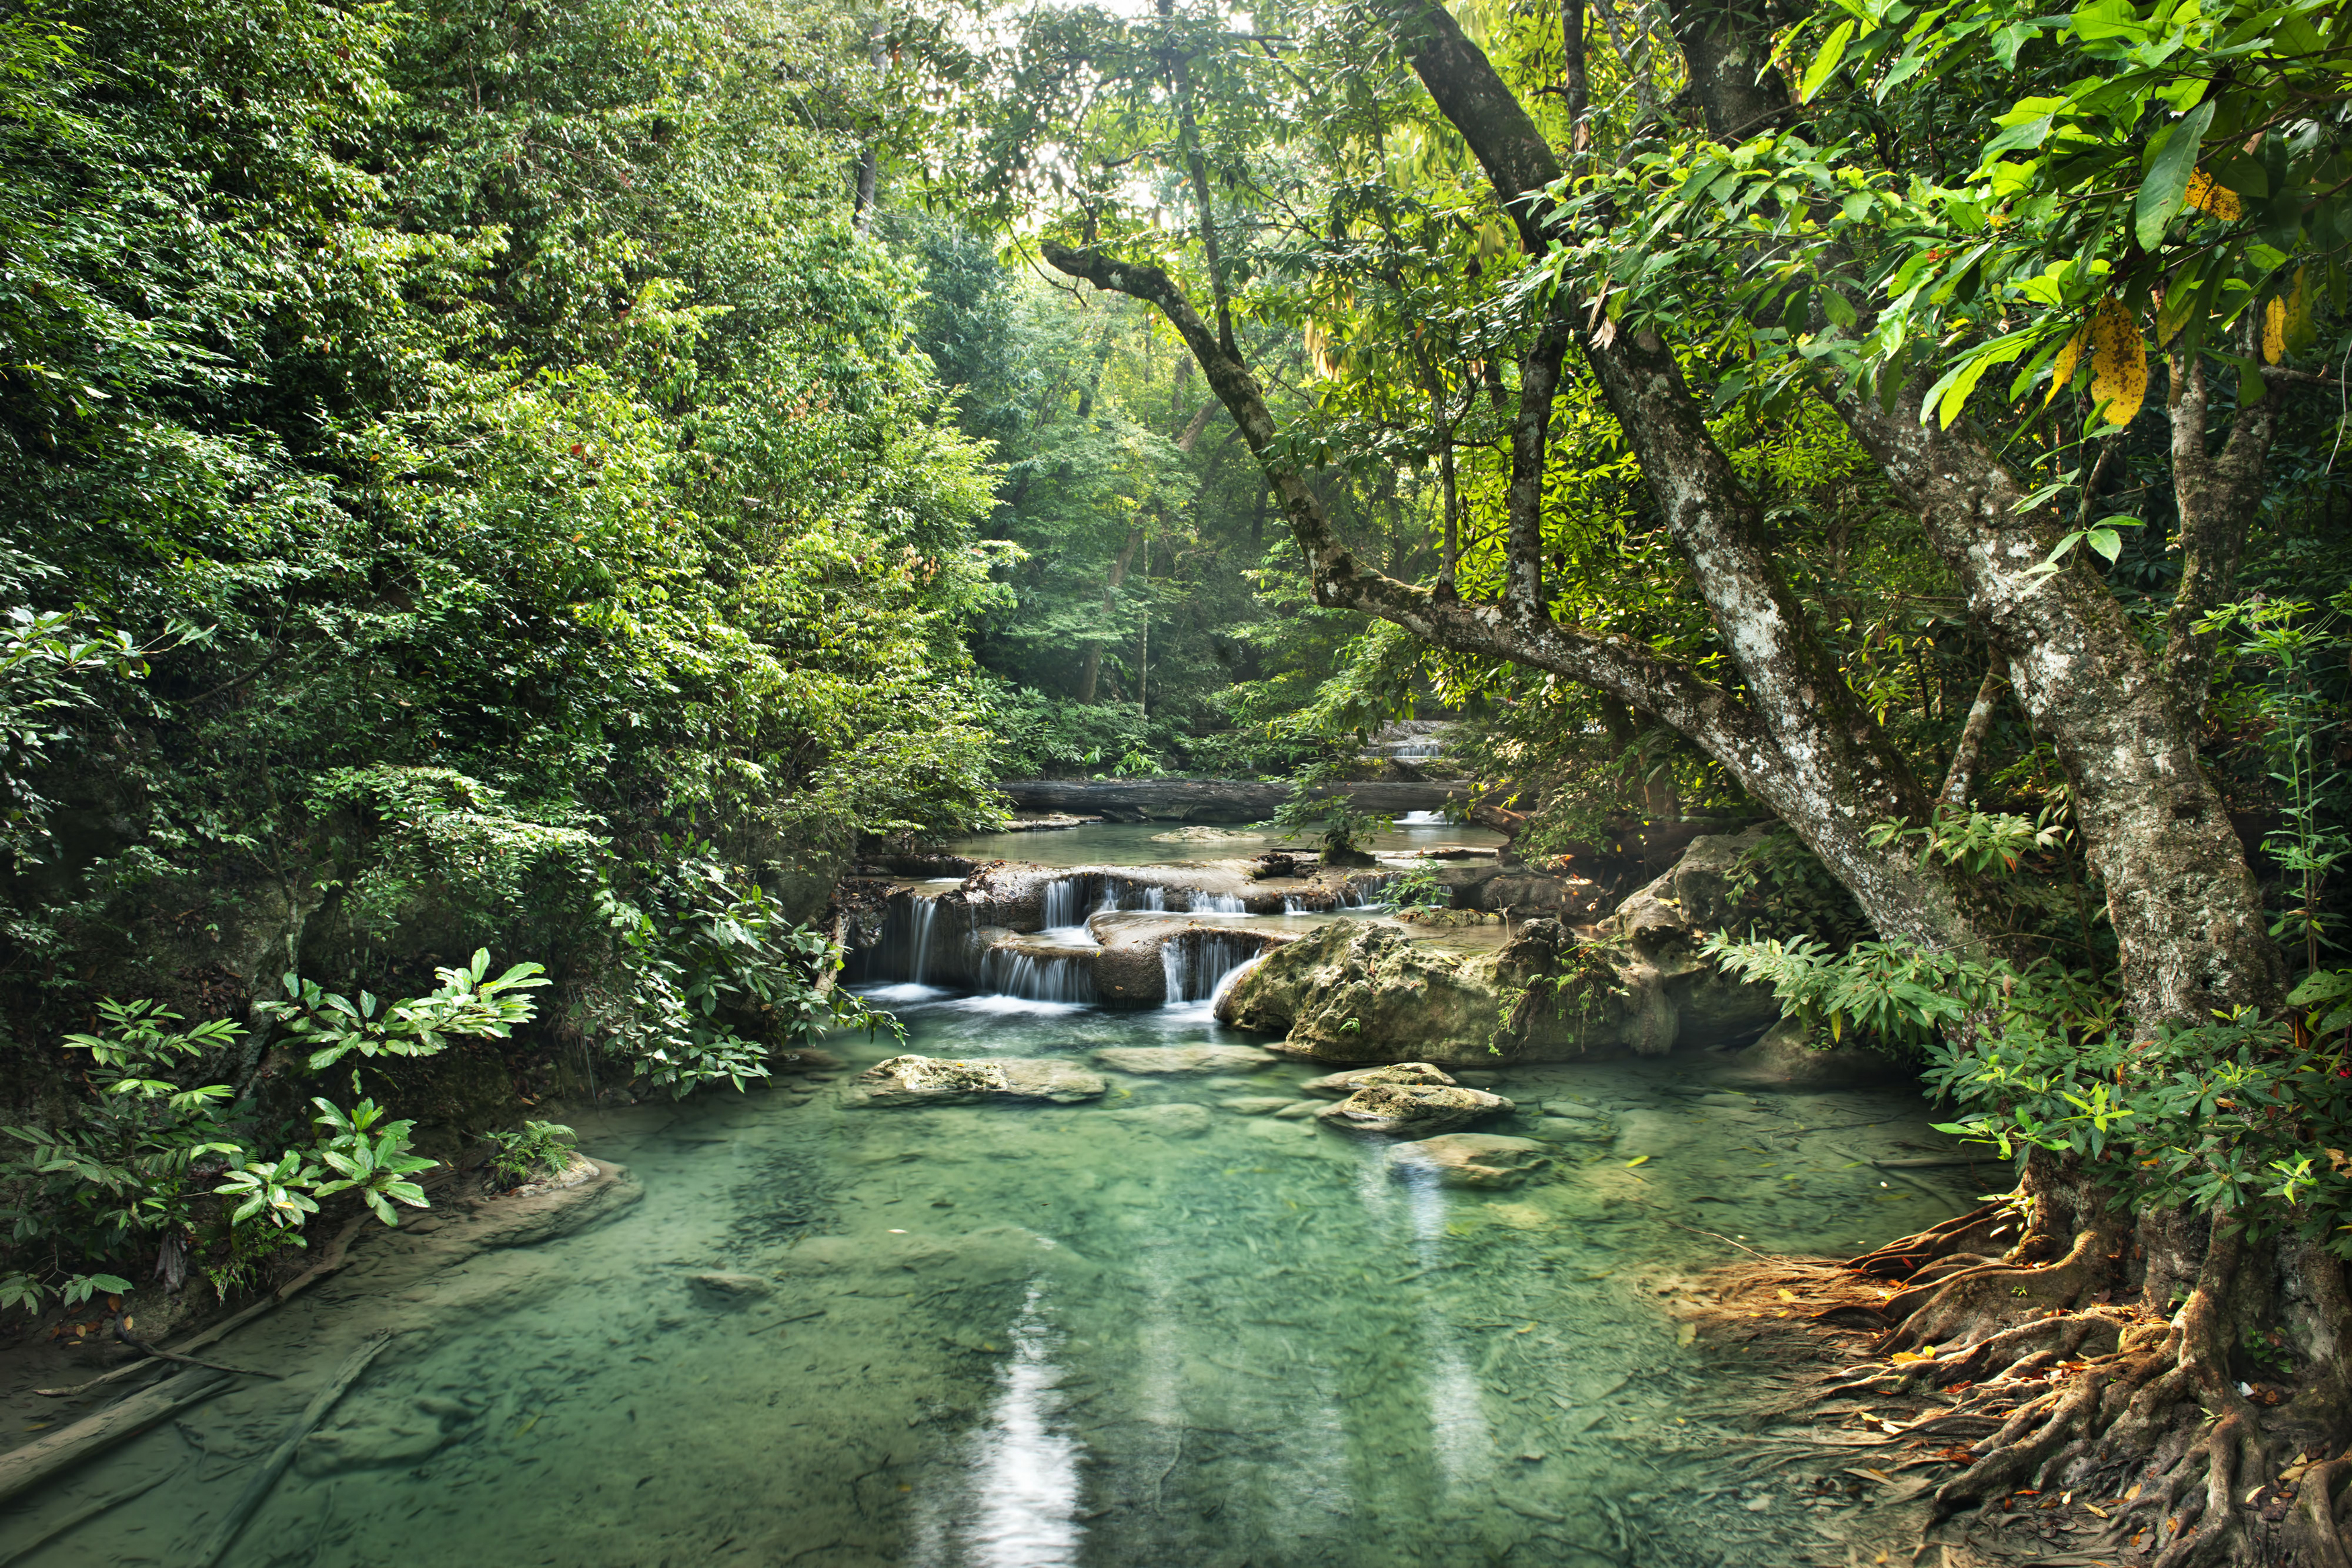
(931, 1081)
(1158, 1059)
(1575, 1130)
(1414, 1110)
(1342, 1083)
(1257, 1104)
(1180, 1121)
(1471, 1159)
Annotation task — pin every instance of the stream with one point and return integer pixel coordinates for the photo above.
(1152, 1330)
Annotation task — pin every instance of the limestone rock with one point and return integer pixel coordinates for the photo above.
(1786, 1058)
(1416, 1109)
(1354, 991)
(1299, 1111)
(1176, 1121)
(1338, 1085)
(1257, 1105)
(933, 1081)
(1153, 1060)
(1471, 1159)
(728, 1289)
(1682, 998)
(1569, 1108)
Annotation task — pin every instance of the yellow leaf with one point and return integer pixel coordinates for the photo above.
(2061, 368)
(2094, 1508)
(2219, 200)
(2274, 330)
(2300, 333)
(1786, 1296)
(2119, 362)
(1636, 1160)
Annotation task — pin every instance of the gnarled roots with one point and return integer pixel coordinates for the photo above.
(2204, 1436)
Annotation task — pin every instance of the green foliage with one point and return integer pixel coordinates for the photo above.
(1417, 888)
(1794, 893)
(534, 1149)
(712, 979)
(159, 1154)
(467, 1004)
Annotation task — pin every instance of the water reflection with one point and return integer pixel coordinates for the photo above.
(1016, 1503)
(1459, 1438)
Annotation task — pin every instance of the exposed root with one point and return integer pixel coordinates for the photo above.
(2085, 1420)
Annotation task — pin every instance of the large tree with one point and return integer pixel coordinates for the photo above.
(1834, 253)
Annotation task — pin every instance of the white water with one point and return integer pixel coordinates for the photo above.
(1034, 979)
(1196, 964)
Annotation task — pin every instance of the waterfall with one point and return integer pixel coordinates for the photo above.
(1196, 963)
(1153, 898)
(1035, 978)
(1218, 904)
(1065, 898)
(922, 914)
(1421, 819)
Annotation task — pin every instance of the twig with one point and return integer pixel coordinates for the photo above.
(283, 1454)
(146, 1349)
(82, 1516)
(1710, 1235)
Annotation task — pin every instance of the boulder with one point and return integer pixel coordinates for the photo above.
(1340, 1084)
(1471, 1159)
(1173, 1121)
(931, 1081)
(1679, 996)
(1786, 1058)
(1257, 1105)
(1154, 1059)
(1414, 1110)
(1299, 1111)
(1354, 991)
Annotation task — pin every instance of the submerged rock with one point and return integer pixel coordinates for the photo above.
(1347, 1082)
(1471, 1159)
(727, 1290)
(931, 1081)
(1414, 1110)
(1574, 1130)
(1162, 1059)
(1179, 1121)
(1299, 1111)
(1257, 1105)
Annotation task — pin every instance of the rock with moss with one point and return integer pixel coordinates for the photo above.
(933, 1081)
(1683, 998)
(1414, 1110)
(1340, 1084)
(1471, 1159)
(1355, 991)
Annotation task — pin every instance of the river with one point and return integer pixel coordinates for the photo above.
(1116, 1334)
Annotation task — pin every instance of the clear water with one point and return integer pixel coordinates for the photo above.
(1160, 843)
(1008, 1337)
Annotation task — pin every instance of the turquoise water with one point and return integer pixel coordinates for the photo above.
(1113, 1334)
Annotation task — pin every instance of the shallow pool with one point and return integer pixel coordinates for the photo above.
(1160, 843)
(1110, 1334)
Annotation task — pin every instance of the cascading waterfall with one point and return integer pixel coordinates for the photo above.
(1035, 978)
(1421, 819)
(1195, 964)
(1115, 897)
(922, 915)
(1064, 901)
(1218, 904)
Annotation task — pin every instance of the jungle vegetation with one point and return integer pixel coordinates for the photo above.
(504, 500)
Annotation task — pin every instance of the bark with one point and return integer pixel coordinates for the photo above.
(1968, 756)
(1090, 668)
(2216, 495)
(2186, 914)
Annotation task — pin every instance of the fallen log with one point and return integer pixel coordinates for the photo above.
(283, 1454)
(40, 1459)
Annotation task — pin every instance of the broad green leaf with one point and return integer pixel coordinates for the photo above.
(1826, 62)
(2172, 158)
